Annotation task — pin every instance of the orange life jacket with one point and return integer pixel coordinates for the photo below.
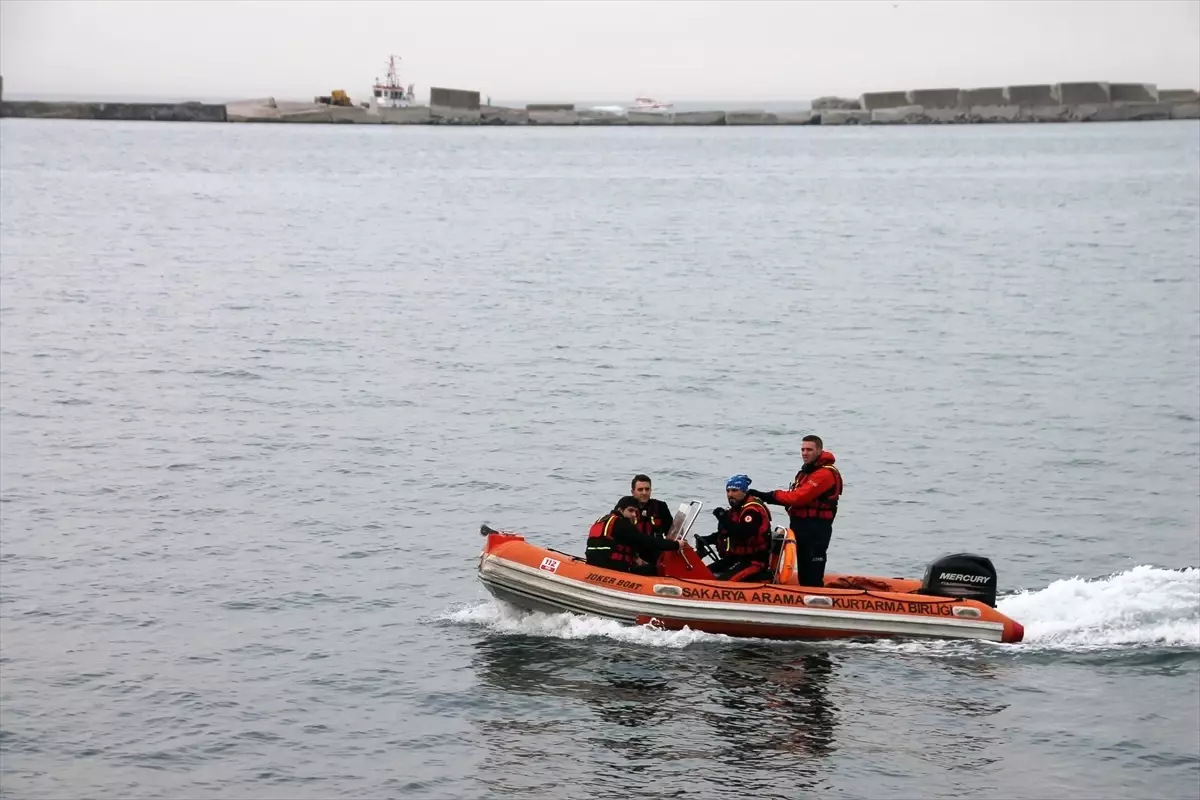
(826, 505)
(757, 544)
(601, 542)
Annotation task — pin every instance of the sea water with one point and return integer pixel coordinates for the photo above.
(262, 384)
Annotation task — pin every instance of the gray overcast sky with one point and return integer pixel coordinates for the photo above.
(675, 50)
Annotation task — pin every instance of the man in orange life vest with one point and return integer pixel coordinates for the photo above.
(614, 542)
(812, 503)
(654, 516)
(743, 536)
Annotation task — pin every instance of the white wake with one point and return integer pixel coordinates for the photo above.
(1140, 607)
(503, 618)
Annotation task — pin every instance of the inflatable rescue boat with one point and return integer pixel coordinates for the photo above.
(956, 599)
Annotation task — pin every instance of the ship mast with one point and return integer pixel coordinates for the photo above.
(392, 78)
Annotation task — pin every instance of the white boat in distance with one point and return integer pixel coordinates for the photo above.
(650, 104)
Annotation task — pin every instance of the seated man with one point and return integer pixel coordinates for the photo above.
(654, 515)
(743, 537)
(614, 542)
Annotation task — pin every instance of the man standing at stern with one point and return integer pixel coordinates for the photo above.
(812, 503)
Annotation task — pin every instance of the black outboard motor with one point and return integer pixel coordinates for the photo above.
(962, 575)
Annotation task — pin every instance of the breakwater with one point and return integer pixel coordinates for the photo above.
(1062, 102)
(150, 112)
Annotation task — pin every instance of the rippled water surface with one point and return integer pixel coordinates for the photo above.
(261, 385)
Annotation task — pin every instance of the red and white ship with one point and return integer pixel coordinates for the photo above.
(391, 93)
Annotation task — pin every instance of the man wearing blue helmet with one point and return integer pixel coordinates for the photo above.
(743, 537)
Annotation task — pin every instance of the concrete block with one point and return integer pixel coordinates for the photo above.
(841, 103)
(550, 107)
(1123, 112)
(698, 118)
(454, 106)
(317, 116)
(992, 96)
(1075, 94)
(801, 117)
(875, 100)
(840, 117)
(1058, 113)
(1090, 112)
(499, 115)
(1185, 111)
(1094, 113)
(946, 116)
(413, 115)
(251, 111)
(750, 118)
(1178, 96)
(163, 112)
(250, 103)
(454, 116)
(458, 99)
(1144, 112)
(991, 114)
(1133, 92)
(1031, 95)
(291, 107)
(648, 118)
(553, 117)
(933, 98)
(603, 119)
(906, 115)
(354, 115)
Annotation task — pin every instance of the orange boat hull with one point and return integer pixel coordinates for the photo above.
(539, 579)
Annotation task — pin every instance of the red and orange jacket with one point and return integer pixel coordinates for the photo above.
(745, 532)
(814, 492)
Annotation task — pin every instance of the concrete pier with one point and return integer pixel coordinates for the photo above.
(150, 112)
(1039, 103)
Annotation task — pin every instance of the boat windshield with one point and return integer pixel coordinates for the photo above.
(685, 517)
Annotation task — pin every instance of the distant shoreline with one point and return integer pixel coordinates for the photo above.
(1043, 103)
(682, 105)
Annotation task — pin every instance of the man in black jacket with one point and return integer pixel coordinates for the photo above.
(654, 516)
(614, 542)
